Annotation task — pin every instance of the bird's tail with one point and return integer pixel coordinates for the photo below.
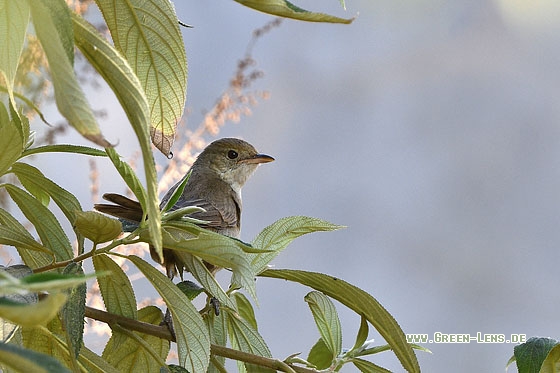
(127, 210)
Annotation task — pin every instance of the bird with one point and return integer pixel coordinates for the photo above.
(214, 183)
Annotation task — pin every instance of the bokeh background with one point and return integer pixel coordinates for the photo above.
(429, 128)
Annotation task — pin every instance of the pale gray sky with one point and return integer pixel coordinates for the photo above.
(430, 130)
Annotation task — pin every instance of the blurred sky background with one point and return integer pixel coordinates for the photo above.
(429, 128)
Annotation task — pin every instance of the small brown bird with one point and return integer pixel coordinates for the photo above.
(215, 183)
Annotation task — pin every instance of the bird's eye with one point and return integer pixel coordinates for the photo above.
(232, 154)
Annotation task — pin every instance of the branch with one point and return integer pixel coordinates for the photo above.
(164, 333)
(130, 324)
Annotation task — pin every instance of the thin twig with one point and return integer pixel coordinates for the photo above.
(164, 333)
(122, 241)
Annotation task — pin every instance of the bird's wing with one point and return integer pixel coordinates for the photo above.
(219, 216)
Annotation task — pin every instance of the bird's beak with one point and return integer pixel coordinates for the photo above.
(258, 158)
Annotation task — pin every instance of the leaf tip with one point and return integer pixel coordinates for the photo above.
(98, 139)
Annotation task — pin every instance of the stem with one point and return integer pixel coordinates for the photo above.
(64, 263)
(89, 254)
(164, 333)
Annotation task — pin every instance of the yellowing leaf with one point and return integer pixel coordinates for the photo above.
(14, 18)
(33, 314)
(284, 8)
(97, 227)
(132, 356)
(52, 24)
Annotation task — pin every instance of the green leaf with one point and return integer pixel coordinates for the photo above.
(32, 314)
(360, 302)
(135, 356)
(97, 227)
(368, 367)
(74, 310)
(177, 193)
(95, 363)
(367, 350)
(8, 221)
(30, 104)
(529, 356)
(11, 141)
(122, 80)
(35, 182)
(212, 247)
(66, 201)
(283, 8)
(36, 190)
(343, 4)
(277, 236)
(14, 18)
(180, 213)
(217, 326)
(201, 273)
(59, 13)
(14, 272)
(245, 338)
(20, 241)
(193, 341)
(52, 23)
(64, 148)
(147, 34)
(48, 228)
(552, 362)
(363, 332)
(116, 288)
(22, 124)
(129, 176)
(47, 341)
(190, 289)
(23, 360)
(245, 309)
(326, 319)
(320, 355)
(47, 281)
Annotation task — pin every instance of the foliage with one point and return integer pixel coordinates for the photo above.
(43, 303)
(538, 355)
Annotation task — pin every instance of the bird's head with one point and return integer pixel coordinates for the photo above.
(233, 160)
